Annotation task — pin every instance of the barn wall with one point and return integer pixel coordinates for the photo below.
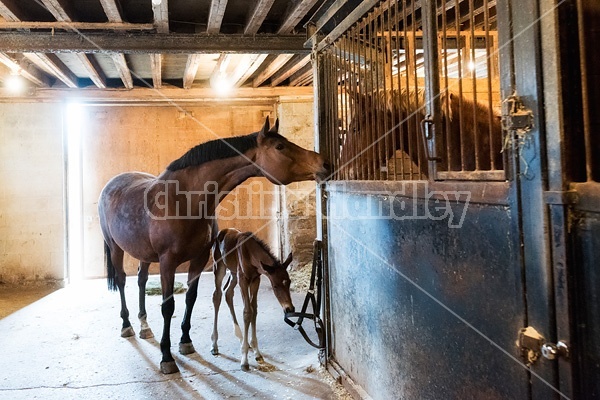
(31, 195)
(120, 139)
(298, 228)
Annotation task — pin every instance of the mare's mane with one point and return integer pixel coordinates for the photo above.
(215, 150)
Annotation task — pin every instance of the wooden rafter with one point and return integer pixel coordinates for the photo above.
(10, 10)
(280, 77)
(20, 42)
(53, 65)
(93, 69)
(112, 10)
(25, 69)
(191, 68)
(301, 76)
(296, 11)
(161, 16)
(156, 64)
(257, 16)
(123, 69)
(80, 26)
(215, 16)
(59, 8)
(273, 67)
(244, 70)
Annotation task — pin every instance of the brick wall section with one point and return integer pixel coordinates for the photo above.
(31, 194)
(298, 223)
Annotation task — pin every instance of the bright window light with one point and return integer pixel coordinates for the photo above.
(74, 119)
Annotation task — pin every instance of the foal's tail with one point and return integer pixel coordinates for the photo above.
(110, 269)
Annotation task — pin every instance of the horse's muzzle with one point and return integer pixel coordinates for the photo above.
(325, 172)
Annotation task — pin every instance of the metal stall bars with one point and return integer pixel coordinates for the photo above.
(381, 68)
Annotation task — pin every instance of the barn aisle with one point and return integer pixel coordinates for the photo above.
(68, 346)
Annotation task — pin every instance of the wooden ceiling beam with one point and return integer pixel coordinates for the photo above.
(296, 11)
(53, 65)
(73, 25)
(215, 16)
(280, 77)
(60, 9)
(257, 16)
(166, 96)
(112, 9)
(245, 70)
(273, 67)
(161, 16)
(25, 69)
(123, 69)
(300, 76)
(93, 69)
(191, 69)
(10, 10)
(156, 64)
(138, 42)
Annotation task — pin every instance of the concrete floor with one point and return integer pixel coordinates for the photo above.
(67, 345)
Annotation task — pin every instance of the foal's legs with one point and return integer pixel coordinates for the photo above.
(248, 312)
(229, 300)
(219, 270)
(145, 332)
(253, 296)
(196, 267)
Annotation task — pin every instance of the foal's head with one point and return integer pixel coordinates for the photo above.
(280, 281)
(283, 162)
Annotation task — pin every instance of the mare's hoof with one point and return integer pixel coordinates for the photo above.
(127, 332)
(214, 351)
(146, 333)
(245, 367)
(260, 358)
(168, 367)
(186, 348)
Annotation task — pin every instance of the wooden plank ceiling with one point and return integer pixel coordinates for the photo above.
(154, 44)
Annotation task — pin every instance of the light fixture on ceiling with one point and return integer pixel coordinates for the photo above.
(14, 83)
(221, 84)
(156, 2)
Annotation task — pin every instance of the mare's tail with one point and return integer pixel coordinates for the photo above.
(110, 269)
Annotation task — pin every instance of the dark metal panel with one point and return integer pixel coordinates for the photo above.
(531, 181)
(587, 309)
(421, 310)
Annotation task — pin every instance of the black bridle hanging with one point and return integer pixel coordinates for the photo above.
(314, 298)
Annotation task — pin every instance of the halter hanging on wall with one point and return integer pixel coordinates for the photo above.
(314, 298)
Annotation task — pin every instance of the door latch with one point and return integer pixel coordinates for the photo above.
(515, 116)
(532, 344)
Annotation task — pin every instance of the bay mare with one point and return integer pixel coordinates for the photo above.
(170, 219)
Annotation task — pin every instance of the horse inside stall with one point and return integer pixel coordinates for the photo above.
(170, 218)
(389, 121)
(247, 258)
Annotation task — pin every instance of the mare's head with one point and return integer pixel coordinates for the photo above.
(283, 162)
(280, 281)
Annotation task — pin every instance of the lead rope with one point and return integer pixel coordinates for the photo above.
(314, 299)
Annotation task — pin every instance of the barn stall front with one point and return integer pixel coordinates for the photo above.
(460, 223)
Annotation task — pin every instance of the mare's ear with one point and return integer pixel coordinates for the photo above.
(269, 269)
(287, 261)
(263, 131)
(275, 128)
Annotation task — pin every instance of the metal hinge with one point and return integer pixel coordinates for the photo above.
(515, 116)
(532, 344)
